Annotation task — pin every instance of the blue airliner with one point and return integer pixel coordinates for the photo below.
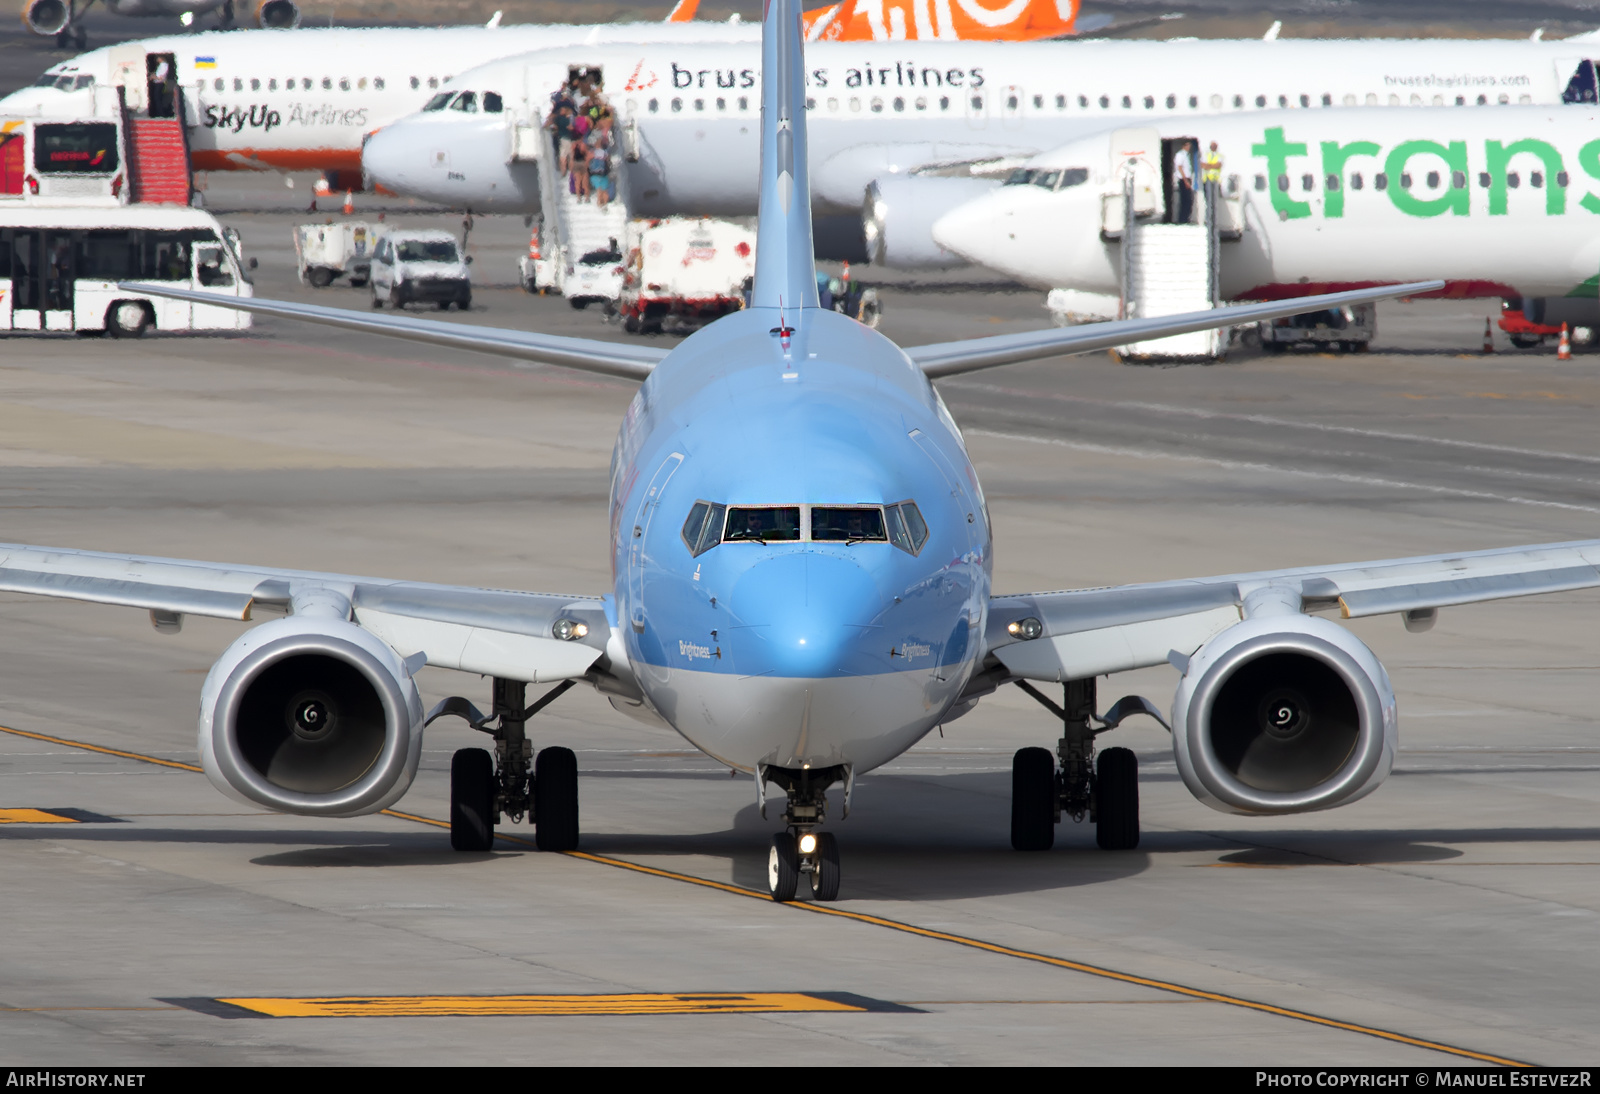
(802, 557)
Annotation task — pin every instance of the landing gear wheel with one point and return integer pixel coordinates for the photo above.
(464, 304)
(555, 798)
(444, 305)
(126, 319)
(471, 800)
(1117, 800)
(825, 878)
(1524, 341)
(377, 301)
(320, 277)
(783, 868)
(1033, 800)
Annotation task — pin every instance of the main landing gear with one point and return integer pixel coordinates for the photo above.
(801, 849)
(485, 787)
(1106, 791)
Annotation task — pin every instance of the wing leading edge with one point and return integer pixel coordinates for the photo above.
(1091, 632)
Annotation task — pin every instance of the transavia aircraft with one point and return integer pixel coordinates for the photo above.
(804, 619)
(1502, 202)
(904, 117)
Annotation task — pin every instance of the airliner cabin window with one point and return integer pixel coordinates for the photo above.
(377, 83)
(238, 84)
(255, 85)
(433, 81)
(327, 83)
(272, 84)
(415, 83)
(847, 524)
(907, 530)
(767, 524)
(217, 84)
(344, 83)
(703, 530)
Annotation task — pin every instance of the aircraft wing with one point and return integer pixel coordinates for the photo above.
(588, 354)
(1090, 632)
(496, 632)
(954, 358)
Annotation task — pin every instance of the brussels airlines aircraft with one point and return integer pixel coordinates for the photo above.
(1496, 202)
(885, 111)
(802, 560)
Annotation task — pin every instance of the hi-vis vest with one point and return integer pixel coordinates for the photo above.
(1211, 168)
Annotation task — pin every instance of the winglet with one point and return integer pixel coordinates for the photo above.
(786, 274)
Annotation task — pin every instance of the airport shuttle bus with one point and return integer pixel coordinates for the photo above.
(59, 268)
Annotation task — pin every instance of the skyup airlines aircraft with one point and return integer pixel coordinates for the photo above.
(1502, 202)
(802, 560)
(906, 116)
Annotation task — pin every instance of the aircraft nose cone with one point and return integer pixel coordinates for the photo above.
(394, 158)
(968, 230)
(802, 615)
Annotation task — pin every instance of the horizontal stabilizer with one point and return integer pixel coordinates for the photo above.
(953, 358)
(590, 355)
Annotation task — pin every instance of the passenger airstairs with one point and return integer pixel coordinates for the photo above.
(1169, 264)
(571, 228)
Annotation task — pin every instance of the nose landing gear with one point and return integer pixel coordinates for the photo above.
(801, 849)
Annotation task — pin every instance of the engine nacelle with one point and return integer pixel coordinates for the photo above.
(1284, 714)
(277, 14)
(899, 213)
(313, 716)
(46, 16)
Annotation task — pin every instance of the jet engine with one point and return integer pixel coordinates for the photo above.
(899, 213)
(277, 14)
(311, 715)
(1283, 714)
(46, 16)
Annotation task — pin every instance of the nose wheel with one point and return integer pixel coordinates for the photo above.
(814, 854)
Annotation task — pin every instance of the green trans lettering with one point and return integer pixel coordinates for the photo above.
(1589, 160)
(1453, 201)
(1277, 152)
(1334, 157)
(1498, 156)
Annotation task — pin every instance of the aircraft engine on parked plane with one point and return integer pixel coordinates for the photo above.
(46, 16)
(1283, 714)
(897, 218)
(311, 715)
(277, 14)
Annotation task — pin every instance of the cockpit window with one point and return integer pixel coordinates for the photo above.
(855, 524)
(768, 524)
(47, 80)
(426, 250)
(466, 102)
(907, 530)
(1049, 178)
(703, 530)
(439, 101)
(492, 103)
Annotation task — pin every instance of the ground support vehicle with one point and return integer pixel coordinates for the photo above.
(326, 252)
(1349, 329)
(596, 278)
(59, 269)
(684, 272)
(420, 267)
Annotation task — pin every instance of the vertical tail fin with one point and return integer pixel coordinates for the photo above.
(786, 274)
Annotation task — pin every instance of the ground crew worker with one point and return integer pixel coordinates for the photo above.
(1183, 176)
(1211, 165)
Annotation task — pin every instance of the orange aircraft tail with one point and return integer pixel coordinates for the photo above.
(683, 11)
(945, 20)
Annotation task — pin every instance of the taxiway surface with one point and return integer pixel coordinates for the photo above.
(1458, 905)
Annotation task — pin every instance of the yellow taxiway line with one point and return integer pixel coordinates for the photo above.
(901, 927)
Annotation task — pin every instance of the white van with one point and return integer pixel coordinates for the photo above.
(422, 267)
(59, 268)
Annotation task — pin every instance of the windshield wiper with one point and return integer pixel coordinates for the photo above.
(746, 534)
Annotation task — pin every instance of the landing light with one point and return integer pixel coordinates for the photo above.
(808, 843)
(569, 629)
(1025, 629)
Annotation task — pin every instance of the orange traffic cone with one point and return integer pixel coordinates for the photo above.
(349, 203)
(845, 276)
(1564, 352)
(1488, 338)
(533, 247)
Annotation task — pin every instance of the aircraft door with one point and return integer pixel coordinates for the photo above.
(13, 167)
(1136, 154)
(1011, 105)
(637, 556)
(977, 106)
(161, 85)
(1179, 187)
(213, 270)
(1579, 81)
(59, 276)
(128, 73)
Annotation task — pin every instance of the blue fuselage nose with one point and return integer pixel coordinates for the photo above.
(804, 613)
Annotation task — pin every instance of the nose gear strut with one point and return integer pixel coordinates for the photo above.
(801, 849)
